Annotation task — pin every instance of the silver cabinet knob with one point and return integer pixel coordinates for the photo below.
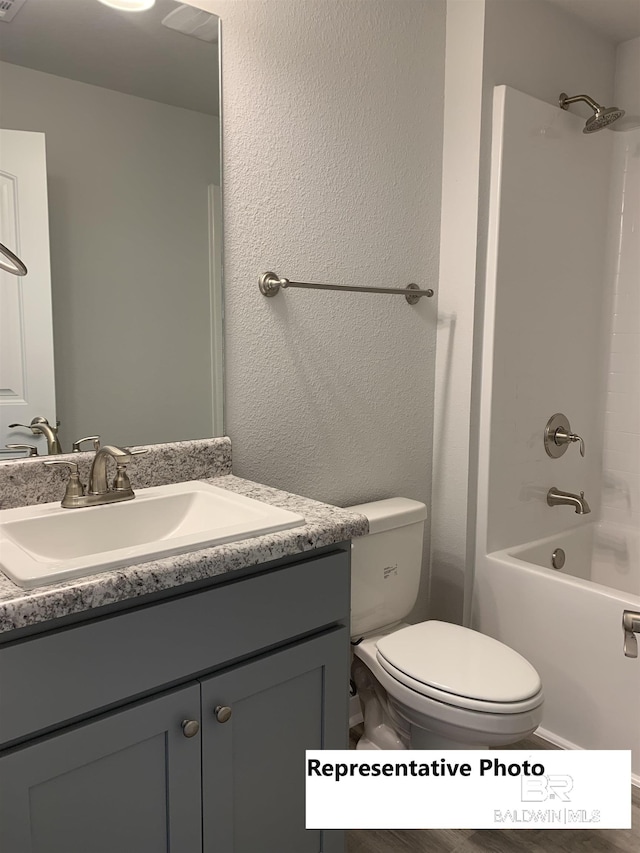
(222, 712)
(190, 728)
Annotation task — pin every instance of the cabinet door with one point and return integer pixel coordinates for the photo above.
(128, 782)
(253, 764)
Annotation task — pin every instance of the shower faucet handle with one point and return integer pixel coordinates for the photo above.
(558, 436)
(631, 627)
(564, 438)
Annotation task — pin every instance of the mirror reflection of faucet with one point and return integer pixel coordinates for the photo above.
(30, 449)
(99, 492)
(557, 498)
(558, 436)
(94, 439)
(41, 426)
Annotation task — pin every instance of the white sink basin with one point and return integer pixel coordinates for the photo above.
(46, 543)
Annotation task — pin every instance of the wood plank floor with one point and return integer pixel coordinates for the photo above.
(501, 840)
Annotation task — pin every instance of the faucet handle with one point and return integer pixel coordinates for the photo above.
(33, 450)
(74, 489)
(631, 626)
(574, 437)
(76, 446)
(121, 481)
(558, 436)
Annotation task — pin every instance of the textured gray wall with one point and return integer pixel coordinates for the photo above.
(331, 152)
(332, 148)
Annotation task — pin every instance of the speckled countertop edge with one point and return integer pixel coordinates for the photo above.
(325, 525)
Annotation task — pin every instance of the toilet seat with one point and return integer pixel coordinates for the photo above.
(463, 725)
(458, 667)
(463, 720)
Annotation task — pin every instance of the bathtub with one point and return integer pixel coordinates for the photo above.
(568, 623)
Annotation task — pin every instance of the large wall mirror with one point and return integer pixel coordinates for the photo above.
(110, 125)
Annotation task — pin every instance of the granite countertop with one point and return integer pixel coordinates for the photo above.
(325, 525)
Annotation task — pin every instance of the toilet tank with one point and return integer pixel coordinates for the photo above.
(386, 564)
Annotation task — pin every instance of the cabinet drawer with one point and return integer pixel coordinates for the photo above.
(62, 675)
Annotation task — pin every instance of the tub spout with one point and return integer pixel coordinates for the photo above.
(557, 498)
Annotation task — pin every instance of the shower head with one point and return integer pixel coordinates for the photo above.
(603, 115)
(602, 118)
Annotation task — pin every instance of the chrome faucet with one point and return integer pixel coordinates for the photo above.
(99, 491)
(41, 426)
(557, 498)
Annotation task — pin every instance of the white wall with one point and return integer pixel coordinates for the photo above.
(627, 89)
(332, 152)
(539, 49)
(453, 497)
(621, 461)
(128, 203)
(542, 50)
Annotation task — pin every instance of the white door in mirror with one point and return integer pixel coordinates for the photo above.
(46, 543)
(26, 336)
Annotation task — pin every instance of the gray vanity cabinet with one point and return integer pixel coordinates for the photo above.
(94, 756)
(129, 781)
(253, 759)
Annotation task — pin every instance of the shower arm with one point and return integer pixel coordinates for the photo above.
(565, 100)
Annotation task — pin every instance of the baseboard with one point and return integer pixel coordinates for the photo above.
(563, 743)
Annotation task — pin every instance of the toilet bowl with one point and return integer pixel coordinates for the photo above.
(432, 685)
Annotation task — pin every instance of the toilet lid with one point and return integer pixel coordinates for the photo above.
(457, 661)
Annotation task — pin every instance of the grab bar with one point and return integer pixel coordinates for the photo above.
(631, 627)
(270, 285)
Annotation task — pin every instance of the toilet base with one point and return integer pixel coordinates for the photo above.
(383, 729)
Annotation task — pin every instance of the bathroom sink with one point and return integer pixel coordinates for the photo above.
(46, 543)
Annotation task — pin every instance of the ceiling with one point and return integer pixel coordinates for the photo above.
(618, 20)
(128, 52)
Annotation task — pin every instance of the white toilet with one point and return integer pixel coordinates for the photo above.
(433, 685)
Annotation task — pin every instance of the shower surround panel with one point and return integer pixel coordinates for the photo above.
(547, 320)
(621, 461)
(544, 335)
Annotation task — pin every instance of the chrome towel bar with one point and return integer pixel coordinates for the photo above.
(270, 285)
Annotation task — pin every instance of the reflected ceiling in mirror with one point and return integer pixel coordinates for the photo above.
(129, 113)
